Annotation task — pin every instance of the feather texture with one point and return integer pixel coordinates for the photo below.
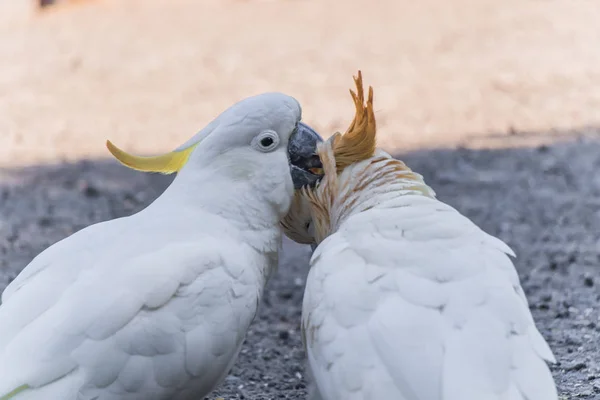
(392, 311)
(167, 325)
(407, 299)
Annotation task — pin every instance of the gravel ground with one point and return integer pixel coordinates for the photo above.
(544, 202)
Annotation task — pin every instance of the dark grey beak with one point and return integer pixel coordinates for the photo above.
(302, 150)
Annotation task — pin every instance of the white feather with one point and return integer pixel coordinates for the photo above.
(124, 306)
(411, 301)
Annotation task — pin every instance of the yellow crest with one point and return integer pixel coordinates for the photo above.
(359, 142)
(164, 164)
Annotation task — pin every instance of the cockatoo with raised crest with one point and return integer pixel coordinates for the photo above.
(407, 299)
(156, 305)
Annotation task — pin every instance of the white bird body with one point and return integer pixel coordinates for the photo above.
(156, 306)
(410, 300)
(159, 318)
(407, 299)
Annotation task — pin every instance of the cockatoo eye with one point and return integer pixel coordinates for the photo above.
(266, 141)
(310, 228)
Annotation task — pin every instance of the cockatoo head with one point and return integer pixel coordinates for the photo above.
(358, 177)
(257, 134)
(337, 153)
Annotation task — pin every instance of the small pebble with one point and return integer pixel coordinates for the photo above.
(284, 335)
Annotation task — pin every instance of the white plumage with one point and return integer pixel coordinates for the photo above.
(407, 299)
(145, 318)
(411, 301)
(156, 305)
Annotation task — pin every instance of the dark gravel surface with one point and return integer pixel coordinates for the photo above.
(544, 202)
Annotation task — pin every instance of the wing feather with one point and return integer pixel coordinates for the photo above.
(148, 327)
(420, 304)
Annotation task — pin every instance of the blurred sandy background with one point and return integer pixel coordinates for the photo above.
(148, 74)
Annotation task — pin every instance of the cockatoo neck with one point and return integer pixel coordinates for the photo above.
(379, 182)
(249, 194)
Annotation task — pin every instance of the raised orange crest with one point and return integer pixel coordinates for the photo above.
(359, 141)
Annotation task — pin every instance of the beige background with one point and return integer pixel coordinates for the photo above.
(148, 74)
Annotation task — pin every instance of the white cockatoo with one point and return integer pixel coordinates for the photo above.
(156, 305)
(407, 299)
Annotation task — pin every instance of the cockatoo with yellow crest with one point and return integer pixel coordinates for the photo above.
(156, 305)
(407, 299)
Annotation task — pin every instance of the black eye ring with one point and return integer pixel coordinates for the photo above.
(266, 141)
